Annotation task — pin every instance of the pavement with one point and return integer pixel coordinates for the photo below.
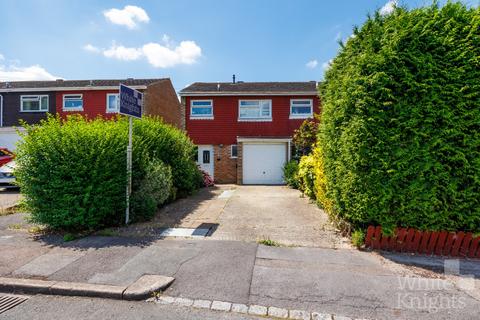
(249, 213)
(8, 199)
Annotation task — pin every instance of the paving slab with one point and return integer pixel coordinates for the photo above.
(47, 264)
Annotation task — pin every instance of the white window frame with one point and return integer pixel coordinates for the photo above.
(201, 117)
(118, 103)
(261, 119)
(301, 116)
(231, 151)
(39, 96)
(71, 95)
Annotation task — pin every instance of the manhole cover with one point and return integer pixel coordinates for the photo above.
(7, 302)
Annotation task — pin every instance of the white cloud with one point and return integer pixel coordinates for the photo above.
(123, 53)
(326, 65)
(158, 55)
(312, 64)
(35, 72)
(129, 16)
(90, 48)
(2, 57)
(388, 7)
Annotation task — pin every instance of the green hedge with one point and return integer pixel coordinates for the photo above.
(72, 172)
(400, 129)
(290, 173)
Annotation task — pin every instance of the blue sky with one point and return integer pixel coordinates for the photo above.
(188, 41)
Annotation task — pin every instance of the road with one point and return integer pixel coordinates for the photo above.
(54, 307)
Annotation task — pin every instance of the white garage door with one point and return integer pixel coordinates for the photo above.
(263, 163)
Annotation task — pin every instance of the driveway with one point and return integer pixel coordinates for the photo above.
(252, 213)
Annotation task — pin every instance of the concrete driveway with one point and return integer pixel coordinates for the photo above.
(251, 213)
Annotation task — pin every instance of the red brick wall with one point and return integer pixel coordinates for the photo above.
(225, 127)
(162, 100)
(225, 167)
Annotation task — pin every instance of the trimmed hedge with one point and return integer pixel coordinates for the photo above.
(72, 172)
(400, 129)
(306, 176)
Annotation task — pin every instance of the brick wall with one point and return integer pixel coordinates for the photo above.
(161, 99)
(225, 167)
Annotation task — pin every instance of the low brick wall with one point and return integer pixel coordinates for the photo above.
(440, 243)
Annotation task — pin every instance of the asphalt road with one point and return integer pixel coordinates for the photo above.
(72, 308)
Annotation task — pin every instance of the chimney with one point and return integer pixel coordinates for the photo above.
(233, 78)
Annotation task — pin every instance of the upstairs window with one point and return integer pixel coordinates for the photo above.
(113, 103)
(34, 103)
(301, 108)
(72, 102)
(255, 110)
(201, 109)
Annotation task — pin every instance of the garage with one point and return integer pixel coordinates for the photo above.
(263, 162)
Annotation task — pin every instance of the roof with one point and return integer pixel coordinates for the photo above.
(57, 85)
(250, 88)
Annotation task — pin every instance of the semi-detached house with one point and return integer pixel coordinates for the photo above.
(243, 130)
(30, 101)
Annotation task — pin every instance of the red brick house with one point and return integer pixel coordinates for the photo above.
(243, 130)
(32, 100)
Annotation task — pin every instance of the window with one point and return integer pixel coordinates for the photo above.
(300, 108)
(34, 103)
(72, 102)
(233, 151)
(206, 156)
(113, 103)
(255, 110)
(201, 109)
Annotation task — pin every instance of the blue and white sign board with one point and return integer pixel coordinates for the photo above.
(131, 102)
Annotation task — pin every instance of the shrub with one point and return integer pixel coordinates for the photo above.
(174, 148)
(306, 176)
(72, 172)
(400, 134)
(320, 183)
(152, 191)
(207, 179)
(358, 238)
(290, 173)
(304, 138)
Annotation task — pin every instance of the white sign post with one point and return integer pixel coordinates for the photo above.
(131, 105)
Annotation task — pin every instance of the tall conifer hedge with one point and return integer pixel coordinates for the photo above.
(400, 129)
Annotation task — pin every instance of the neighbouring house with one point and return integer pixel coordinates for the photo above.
(31, 101)
(243, 130)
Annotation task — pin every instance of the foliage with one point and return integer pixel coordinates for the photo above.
(400, 129)
(174, 148)
(269, 243)
(72, 172)
(152, 191)
(290, 173)
(306, 176)
(358, 238)
(304, 138)
(320, 182)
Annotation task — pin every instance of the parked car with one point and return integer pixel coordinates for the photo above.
(7, 179)
(6, 156)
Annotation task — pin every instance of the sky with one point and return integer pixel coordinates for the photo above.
(187, 41)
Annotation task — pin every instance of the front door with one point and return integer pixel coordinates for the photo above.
(205, 159)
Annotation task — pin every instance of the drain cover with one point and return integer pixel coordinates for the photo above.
(7, 302)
